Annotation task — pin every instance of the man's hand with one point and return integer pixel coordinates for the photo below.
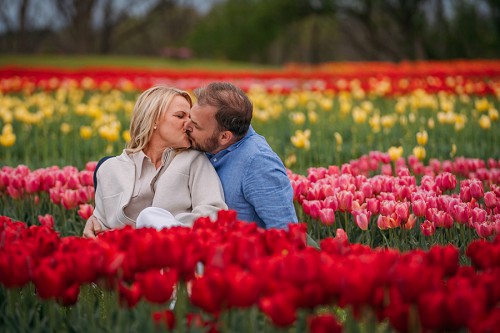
(92, 228)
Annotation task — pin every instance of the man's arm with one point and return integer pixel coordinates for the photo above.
(267, 187)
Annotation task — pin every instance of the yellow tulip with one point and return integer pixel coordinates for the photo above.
(7, 129)
(290, 160)
(298, 118)
(431, 123)
(395, 153)
(65, 128)
(126, 135)
(453, 150)
(7, 139)
(359, 115)
(301, 139)
(86, 132)
(485, 122)
(482, 104)
(326, 104)
(460, 121)
(422, 138)
(493, 114)
(419, 152)
(313, 117)
(338, 138)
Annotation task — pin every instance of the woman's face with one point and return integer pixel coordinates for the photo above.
(170, 126)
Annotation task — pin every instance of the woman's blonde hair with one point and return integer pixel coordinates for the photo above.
(147, 110)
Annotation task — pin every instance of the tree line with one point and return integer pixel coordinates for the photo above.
(264, 31)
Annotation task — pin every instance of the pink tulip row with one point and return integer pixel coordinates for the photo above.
(275, 270)
(398, 200)
(65, 186)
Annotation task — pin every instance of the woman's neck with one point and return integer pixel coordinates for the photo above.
(155, 154)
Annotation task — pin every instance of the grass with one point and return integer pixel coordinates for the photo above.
(80, 61)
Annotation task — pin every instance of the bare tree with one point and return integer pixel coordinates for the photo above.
(77, 16)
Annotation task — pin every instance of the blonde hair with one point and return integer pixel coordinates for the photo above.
(147, 110)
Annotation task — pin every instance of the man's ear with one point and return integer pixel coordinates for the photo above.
(226, 138)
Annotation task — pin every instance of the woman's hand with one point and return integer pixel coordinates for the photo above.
(92, 228)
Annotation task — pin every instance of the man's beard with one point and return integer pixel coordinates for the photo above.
(209, 145)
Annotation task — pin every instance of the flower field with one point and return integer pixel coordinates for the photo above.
(396, 177)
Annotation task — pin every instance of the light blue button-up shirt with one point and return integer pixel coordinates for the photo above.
(255, 182)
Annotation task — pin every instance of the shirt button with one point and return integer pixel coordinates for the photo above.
(215, 159)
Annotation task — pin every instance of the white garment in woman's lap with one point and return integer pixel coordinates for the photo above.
(159, 218)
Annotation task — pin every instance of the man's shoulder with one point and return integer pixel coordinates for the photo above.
(256, 144)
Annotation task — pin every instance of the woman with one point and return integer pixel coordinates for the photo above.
(156, 169)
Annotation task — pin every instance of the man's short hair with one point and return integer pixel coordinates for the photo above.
(234, 109)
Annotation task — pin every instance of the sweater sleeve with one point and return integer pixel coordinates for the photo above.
(207, 196)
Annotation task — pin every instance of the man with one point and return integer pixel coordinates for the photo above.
(253, 177)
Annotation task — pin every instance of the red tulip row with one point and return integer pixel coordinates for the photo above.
(398, 200)
(470, 77)
(246, 266)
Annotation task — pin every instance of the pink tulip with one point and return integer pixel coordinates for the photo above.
(428, 228)
(476, 189)
(484, 230)
(419, 207)
(410, 223)
(69, 199)
(465, 194)
(373, 205)
(362, 218)
(46, 220)
(402, 210)
(461, 213)
(478, 215)
(446, 181)
(490, 199)
(331, 202)
(327, 216)
(345, 199)
(387, 207)
(85, 211)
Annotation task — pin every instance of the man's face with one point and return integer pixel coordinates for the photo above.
(202, 129)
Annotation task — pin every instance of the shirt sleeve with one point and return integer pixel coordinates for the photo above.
(267, 188)
(207, 195)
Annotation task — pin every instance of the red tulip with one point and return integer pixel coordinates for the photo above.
(324, 323)
(209, 291)
(157, 286)
(279, 308)
(433, 311)
(129, 295)
(243, 287)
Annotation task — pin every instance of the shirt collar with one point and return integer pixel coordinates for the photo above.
(139, 158)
